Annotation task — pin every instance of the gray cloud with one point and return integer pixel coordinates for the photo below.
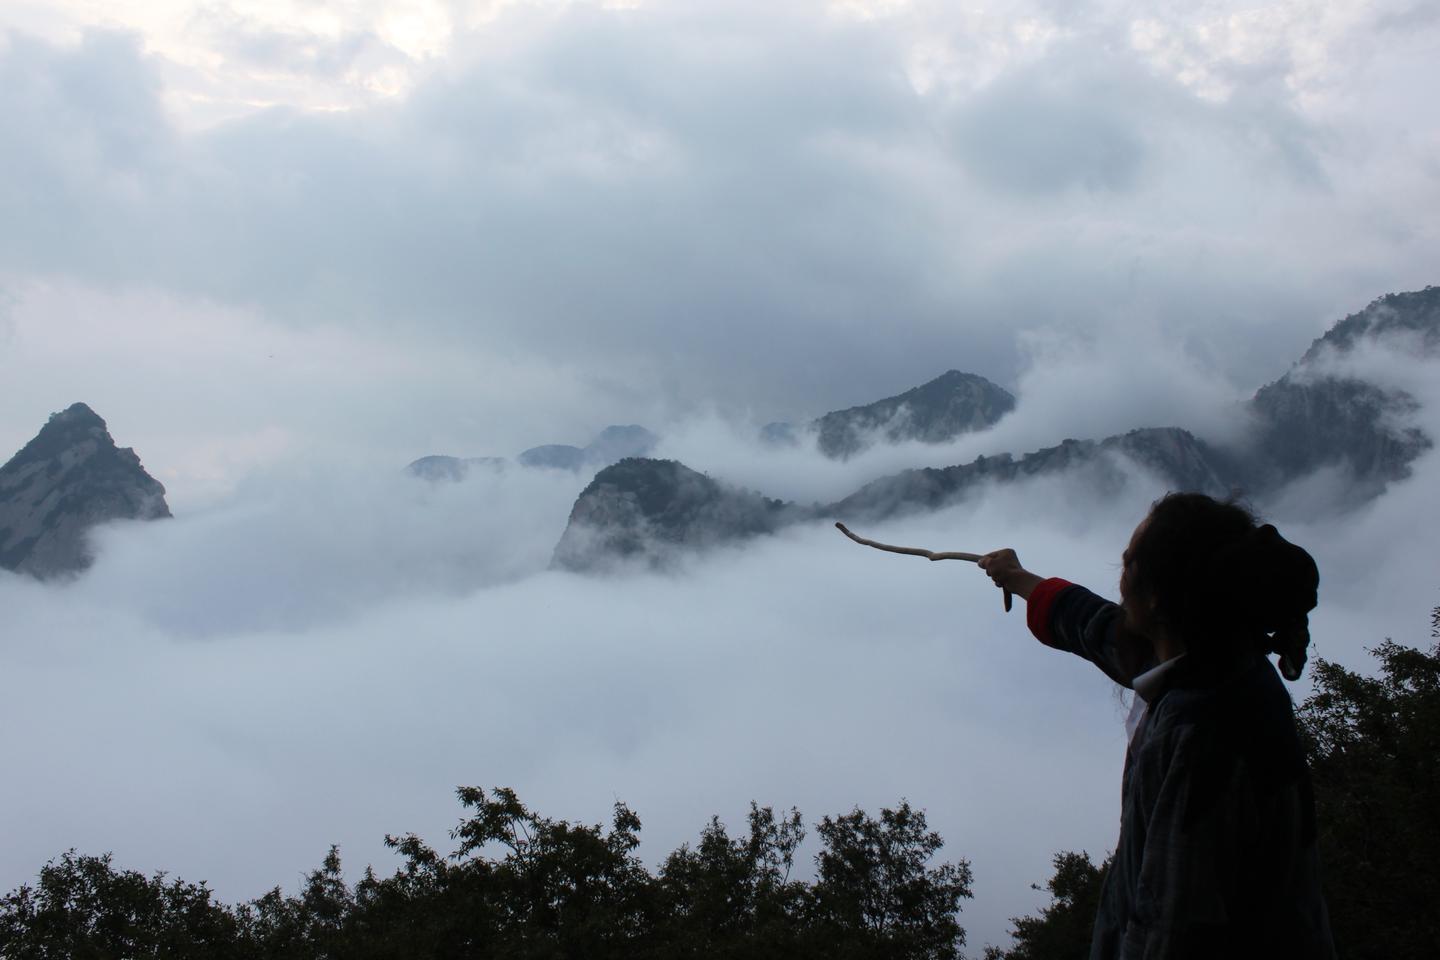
(241, 38)
(641, 192)
(1047, 129)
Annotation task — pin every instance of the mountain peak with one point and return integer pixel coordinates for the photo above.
(68, 479)
(73, 425)
(1414, 311)
(78, 413)
(646, 511)
(937, 411)
(1308, 420)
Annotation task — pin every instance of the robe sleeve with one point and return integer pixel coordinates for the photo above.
(1068, 617)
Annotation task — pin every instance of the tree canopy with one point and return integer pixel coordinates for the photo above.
(520, 885)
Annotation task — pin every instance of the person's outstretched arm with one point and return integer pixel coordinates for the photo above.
(1068, 617)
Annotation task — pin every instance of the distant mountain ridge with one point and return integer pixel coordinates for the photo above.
(620, 515)
(441, 467)
(612, 444)
(1306, 420)
(938, 411)
(952, 404)
(67, 480)
(72, 477)
(1176, 455)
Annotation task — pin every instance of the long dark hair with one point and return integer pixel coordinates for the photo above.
(1222, 582)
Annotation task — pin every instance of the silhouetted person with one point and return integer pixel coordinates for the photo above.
(1217, 854)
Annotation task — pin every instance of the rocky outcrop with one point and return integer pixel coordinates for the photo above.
(1312, 417)
(647, 511)
(64, 483)
(952, 404)
(1304, 425)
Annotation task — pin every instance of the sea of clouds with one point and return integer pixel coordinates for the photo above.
(324, 654)
(698, 217)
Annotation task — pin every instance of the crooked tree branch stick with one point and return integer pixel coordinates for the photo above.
(918, 552)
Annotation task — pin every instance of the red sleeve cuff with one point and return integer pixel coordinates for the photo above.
(1037, 608)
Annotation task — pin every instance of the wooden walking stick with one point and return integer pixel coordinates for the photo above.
(918, 552)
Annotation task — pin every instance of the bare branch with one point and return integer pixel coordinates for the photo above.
(918, 552)
(912, 551)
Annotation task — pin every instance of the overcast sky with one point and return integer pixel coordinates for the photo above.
(286, 247)
(442, 227)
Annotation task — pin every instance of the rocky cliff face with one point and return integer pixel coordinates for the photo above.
(952, 404)
(63, 483)
(1310, 418)
(647, 511)
(1305, 425)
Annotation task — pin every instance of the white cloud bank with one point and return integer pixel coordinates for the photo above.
(323, 657)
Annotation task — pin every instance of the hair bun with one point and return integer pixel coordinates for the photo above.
(1271, 585)
(1289, 575)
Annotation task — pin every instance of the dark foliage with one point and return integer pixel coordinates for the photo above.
(1374, 747)
(1062, 930)
(82, 907)
(520, 885)
(875, 896)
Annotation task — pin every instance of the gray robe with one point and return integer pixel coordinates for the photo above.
(1217, 855)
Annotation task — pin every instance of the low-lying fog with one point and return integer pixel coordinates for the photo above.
(323, 655)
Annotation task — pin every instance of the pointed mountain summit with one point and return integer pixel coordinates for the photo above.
(64, 482)
(952, 404)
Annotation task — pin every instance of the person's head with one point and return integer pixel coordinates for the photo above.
(1207, 574)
